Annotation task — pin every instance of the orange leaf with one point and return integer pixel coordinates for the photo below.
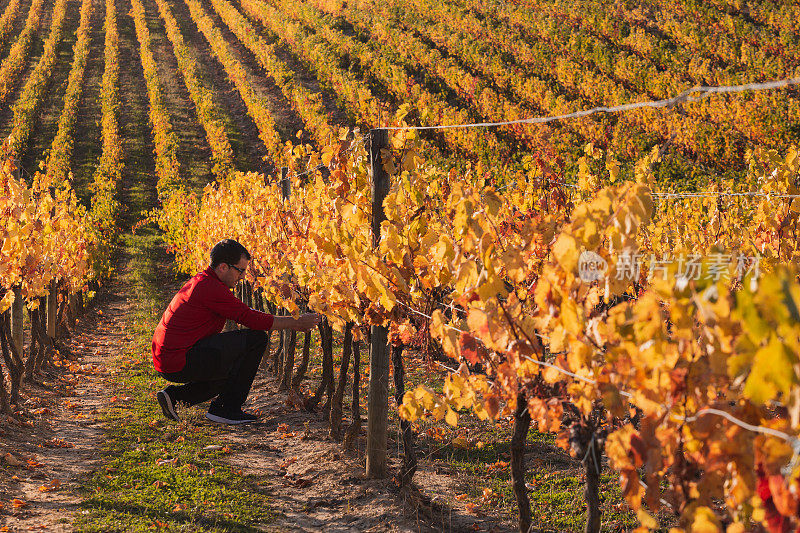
(469, 348)
(288, 462)
(472, 508)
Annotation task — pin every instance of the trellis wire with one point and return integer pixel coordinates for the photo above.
(793, 441)
(703, 91)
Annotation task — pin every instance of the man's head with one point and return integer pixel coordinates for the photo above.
(229, 260)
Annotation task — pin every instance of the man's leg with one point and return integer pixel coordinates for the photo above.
(224, 364)
(243, 372)
(195, 392)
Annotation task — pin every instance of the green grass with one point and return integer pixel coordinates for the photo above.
(156, 473)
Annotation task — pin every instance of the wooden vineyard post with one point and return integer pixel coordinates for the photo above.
(17, 311)
(285, 335)
(522, 422)
(18, 307)
(378, 401)
(286, 185)
(52, 310)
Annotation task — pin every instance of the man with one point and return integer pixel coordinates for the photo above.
(188, 347)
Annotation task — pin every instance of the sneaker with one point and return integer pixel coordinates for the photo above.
(167, 405)
(229, 416)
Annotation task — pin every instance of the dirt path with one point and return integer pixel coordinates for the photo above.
(60, 445)
(316, 486)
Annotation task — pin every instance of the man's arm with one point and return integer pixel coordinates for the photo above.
(304, 322)
(222, 301)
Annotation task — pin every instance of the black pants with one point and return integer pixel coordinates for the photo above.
(222, 365)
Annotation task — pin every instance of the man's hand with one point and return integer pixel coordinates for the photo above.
(304, 322)
(307, 321)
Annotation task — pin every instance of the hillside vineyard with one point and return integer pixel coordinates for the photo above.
(626, 281)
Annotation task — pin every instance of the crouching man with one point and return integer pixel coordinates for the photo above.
(189, 349)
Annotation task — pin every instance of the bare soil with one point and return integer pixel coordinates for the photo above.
(317, 486)
(60, 444)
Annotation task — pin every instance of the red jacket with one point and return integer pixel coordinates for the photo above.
(198, 311)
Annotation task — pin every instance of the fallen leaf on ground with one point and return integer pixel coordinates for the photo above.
(473, 508)
(288, 462)
(498, 465)
(57, 443)
(299, 482)
(13, 461)
(18, 504)
(53, 485)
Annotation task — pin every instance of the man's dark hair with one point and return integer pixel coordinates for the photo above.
(228, 251)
